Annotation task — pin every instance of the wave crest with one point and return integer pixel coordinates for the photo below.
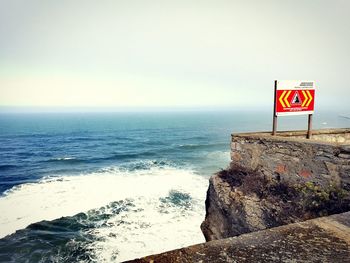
(165, 204)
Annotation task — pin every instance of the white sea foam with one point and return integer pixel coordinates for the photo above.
(63, 158)
(147, 229)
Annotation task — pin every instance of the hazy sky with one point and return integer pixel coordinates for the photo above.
(171, 53)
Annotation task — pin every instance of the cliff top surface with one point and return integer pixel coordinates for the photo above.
(323, 136)
(325, 239)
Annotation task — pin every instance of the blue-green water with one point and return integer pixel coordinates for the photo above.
(113, 186)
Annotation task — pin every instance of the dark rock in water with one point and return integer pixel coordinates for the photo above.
(325, 239)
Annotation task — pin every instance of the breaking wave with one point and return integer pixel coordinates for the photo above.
(113, 214)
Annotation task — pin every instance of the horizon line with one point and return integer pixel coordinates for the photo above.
(123, 108)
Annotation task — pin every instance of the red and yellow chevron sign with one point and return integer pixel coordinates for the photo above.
(295, 99)
(308, 98)
(285, 96)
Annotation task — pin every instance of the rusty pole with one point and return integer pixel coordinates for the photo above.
(274, 120)
(309, 127)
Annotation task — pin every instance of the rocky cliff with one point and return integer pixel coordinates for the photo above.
(258, 209)
(278, 180)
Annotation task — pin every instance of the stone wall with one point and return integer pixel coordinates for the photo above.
(323, 159)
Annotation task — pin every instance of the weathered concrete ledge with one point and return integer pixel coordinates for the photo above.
(325, 239)
(332, 136)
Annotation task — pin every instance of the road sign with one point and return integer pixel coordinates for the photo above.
(294, 97)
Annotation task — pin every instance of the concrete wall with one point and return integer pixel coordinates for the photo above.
(289, 156)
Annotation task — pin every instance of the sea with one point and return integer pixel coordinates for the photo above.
(114, 186)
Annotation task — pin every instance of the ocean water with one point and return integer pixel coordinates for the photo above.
(107, 187)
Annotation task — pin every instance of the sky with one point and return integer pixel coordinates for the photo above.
(82, 53)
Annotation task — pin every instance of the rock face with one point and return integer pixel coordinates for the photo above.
(233, 208)
(277, 180)
(325, 239)
(229, 212)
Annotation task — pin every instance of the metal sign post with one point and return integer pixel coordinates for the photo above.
(274, 121)
(309, 127)
(293, 97)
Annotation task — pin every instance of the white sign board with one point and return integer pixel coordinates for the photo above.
(294, 97)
